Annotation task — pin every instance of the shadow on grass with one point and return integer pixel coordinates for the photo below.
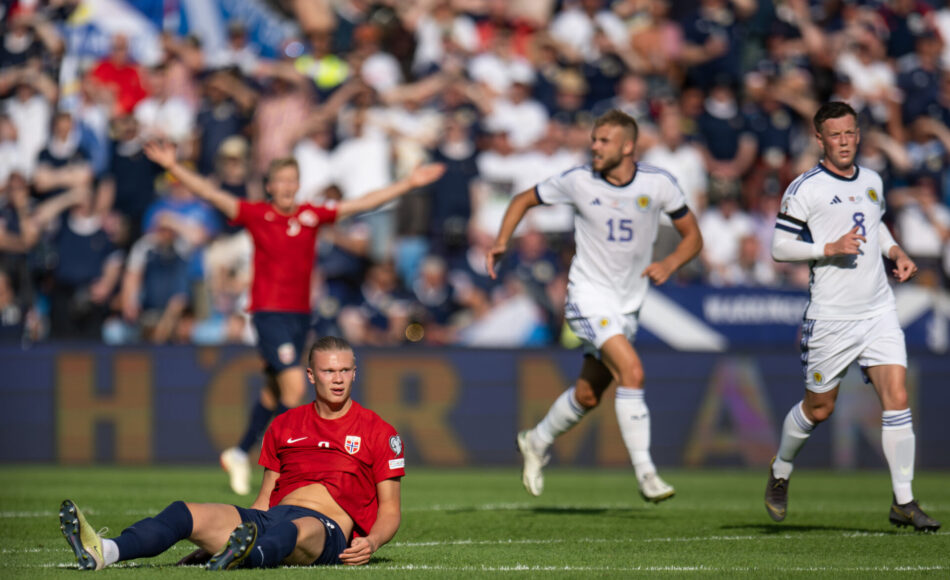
(770, 529)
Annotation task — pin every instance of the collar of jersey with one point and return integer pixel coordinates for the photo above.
(857, 170)
(636, 169)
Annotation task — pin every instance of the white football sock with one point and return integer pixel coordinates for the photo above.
(897, 440)
(564, 413)
(795, 432)
(110, 552)
(633, 416)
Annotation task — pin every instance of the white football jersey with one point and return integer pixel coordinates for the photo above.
(821, 206)
(614, 230)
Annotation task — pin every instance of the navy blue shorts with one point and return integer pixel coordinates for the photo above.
(336, 541)
(281, 337)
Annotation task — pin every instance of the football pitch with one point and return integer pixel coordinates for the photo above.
(480, 523)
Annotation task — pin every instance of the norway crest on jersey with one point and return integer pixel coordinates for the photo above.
(352, 444)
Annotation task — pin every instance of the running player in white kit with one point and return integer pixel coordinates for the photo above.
(831, 216)
(617, 206)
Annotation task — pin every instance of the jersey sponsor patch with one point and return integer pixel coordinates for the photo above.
(308, 218)
(397, 463)
(287, 353)
(395, 443)
(352, 444)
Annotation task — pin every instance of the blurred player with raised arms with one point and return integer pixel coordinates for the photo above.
(617, 206)
(831, 216)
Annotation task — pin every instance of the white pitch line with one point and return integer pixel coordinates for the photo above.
(714, 569)
(638, 540)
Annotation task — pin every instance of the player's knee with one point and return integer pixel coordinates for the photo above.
(820, 412)
(632, 377)
(897, 399)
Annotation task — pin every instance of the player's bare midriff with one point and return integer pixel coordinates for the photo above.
(316, 497)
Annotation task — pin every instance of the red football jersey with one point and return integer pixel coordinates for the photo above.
(284, 253)
(349, 456)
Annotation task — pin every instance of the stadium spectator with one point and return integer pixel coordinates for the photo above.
(923, 227)
(851, 315)
(62, 164)
(128, 187)
(609, 278)
(87, 270)
(918, 75)
(118, 73)
(155, 286)
(727, 223)
(162, 114)
(284, 235)
(729, 145)
(322, 502)
(713, 44)
(30, 108)
(225, 111)
(436, 303)
(450, 203)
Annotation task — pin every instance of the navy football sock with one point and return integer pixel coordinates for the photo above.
(152, 536)
(272, 547)
(260, 417)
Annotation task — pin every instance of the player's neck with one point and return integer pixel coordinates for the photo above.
(622, 174)
(284, 211)
(332, 411)
(847, 172)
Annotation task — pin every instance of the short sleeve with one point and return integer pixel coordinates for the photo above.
(245, 213)
(557, 188)
(268, 458)
(793, 214)
(673, 199)
(389, 459)
(326, 212)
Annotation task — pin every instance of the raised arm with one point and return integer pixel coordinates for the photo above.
(388, 516)
(163, 153)
(518, 206)
(690, 245)
(420, 176)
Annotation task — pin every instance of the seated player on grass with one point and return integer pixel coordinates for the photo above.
(330, 493)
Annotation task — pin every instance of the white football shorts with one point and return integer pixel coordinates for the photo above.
(595, 330)
(830, 346)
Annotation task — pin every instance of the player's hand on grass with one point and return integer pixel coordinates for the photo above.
(848, 244)
(494, 254)
(426, 174)
(358, 553)
(161, 152)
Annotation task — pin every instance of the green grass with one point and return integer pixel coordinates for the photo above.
(480, 523)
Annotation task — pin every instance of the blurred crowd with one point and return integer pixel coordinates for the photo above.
(96, 242)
